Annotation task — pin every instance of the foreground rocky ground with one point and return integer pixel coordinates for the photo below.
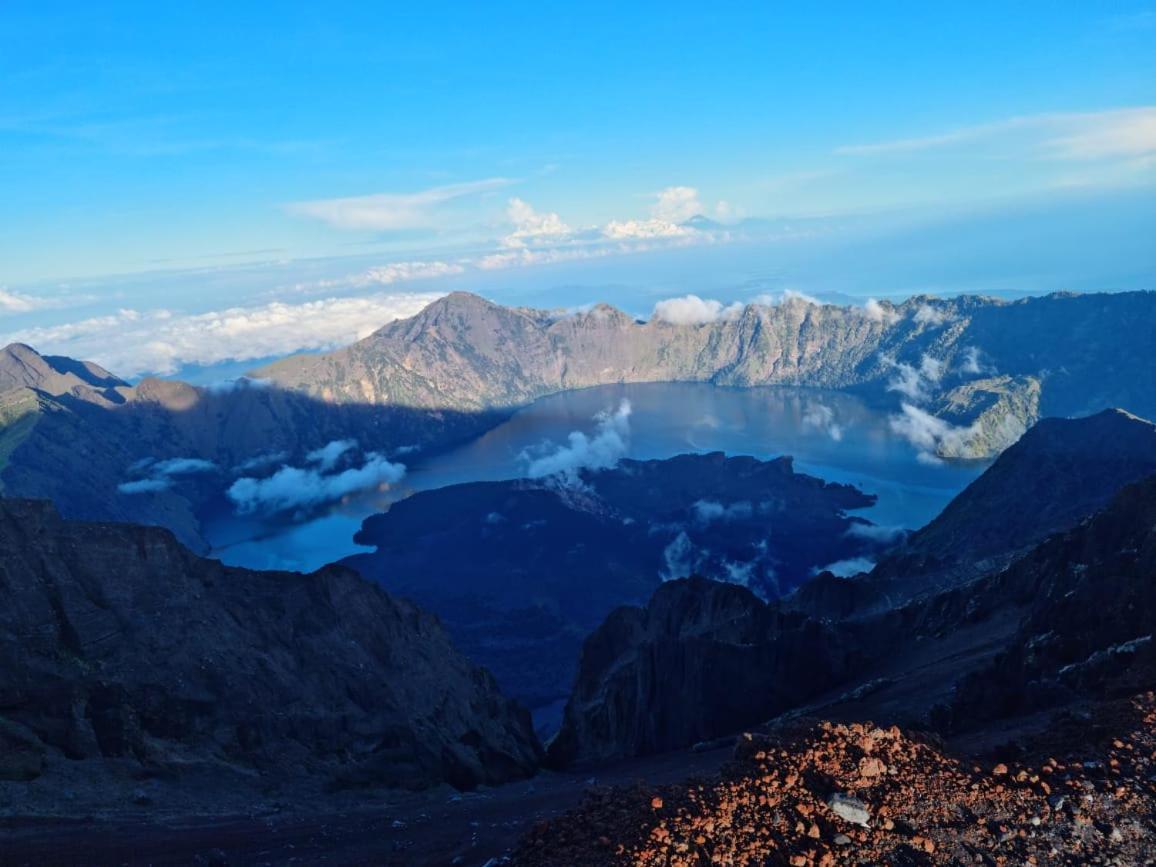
(825, 794)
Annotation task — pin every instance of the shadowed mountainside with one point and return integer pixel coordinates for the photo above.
(73, 434)
(124, 657)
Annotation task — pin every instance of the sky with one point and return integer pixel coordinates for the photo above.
(200, 185)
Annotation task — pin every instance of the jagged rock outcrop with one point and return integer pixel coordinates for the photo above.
(702, 659)
(119, 648)
(987, 368)
(522, 571)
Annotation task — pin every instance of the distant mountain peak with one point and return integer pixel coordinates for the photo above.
(701, 222)
(21, 366)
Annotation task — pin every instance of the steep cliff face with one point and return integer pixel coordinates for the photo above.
(119, 648)
(988, 367)
(700, 660)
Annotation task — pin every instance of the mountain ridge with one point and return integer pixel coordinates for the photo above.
(988, 368)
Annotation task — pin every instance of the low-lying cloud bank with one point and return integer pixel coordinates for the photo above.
(292, 488)
(131, 343)
(602, 451)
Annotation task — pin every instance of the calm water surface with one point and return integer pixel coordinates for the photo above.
(830, 434)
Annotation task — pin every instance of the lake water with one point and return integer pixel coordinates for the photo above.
(831, 435)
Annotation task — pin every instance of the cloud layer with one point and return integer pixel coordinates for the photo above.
(130, 343)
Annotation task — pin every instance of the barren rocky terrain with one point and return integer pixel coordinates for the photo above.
(828, 793)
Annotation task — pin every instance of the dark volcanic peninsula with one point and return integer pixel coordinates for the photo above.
(522, 571)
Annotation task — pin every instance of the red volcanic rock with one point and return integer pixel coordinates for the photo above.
(771, 805)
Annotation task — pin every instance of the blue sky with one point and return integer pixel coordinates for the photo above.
(180, 160)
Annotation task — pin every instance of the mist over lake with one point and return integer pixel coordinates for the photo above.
(832, 435)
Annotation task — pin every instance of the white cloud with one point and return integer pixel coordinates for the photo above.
(1122, 133)
(692, 310)
(328, 455)
(160, 474)
(847, 568)
(182, 467)
(819, 416)
(973, 364)
(679, 558)
(258, 462)
(790, 295)
(131, 342)
(392, 211)
(1116, 133)
(880, 312)
(677, 205)
(144, 486)
(932, 317)
(12, 301)
(931, 434)
(404, 272)
(709, 511)
(915, 383)
(379, 275)
(532, 226)
(876, 532)
(292, 488)
(652, 228)
(598, 452)
(524, 257)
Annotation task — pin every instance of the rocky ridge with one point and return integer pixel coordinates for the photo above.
(987, 368)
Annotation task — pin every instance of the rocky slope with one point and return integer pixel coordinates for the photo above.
(1060, 472)
(1092, 614)
(702, 660)
(986, 368)
(72, 433)
(521, 571)
(124, 658)
(826, 794)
